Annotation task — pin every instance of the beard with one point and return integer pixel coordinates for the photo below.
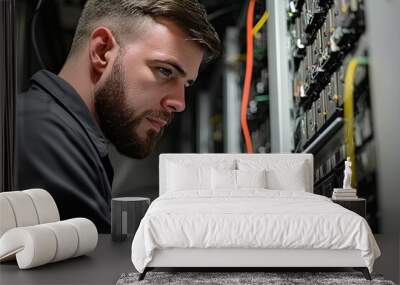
(120, 122)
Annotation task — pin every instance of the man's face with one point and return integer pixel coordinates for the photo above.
(146, 86)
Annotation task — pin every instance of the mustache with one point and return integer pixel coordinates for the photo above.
(162, 115)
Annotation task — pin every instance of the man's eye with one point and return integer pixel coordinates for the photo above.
(165, 72)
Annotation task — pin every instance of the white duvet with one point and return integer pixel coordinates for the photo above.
(251, 218)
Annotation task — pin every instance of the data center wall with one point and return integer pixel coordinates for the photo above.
(332, 105)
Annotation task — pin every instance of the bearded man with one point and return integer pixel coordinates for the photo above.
(123, 80)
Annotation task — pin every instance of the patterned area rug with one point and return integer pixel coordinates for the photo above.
(242, 278)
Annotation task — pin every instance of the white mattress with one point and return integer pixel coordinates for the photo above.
(251, 218)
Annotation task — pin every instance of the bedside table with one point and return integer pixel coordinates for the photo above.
(357, 205)
(126, 214)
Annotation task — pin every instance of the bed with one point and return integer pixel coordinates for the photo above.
(247, 211)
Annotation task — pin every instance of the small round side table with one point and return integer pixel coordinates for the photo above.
(126, 214)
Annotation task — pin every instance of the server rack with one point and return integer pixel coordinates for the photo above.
(329, 58)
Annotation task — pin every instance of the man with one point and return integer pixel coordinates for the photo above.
(125, 76)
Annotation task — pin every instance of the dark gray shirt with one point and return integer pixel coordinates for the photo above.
(61, 148)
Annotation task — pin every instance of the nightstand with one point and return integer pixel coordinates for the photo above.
(357, 205)
(126, 214)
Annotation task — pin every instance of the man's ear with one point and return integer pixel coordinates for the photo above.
(103, 48)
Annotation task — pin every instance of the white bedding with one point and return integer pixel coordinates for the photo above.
(251, 218)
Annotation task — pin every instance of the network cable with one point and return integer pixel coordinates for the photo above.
(33, 34)
(248, 75)
(348, 112)
(250, 32)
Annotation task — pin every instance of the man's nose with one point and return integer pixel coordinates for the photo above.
(175, 100)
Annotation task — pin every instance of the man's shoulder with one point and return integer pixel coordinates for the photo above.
(36, 102)
(33, 100)
(37, 110)
(46, 128)
(48, 123)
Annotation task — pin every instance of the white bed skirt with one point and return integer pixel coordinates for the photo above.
(193, 257)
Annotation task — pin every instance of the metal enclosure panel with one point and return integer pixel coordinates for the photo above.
(303, 129)
(279, 80)
(232, 128)
(332, 96)
(311, 121)
(329, 103)
(202, 121)
(320, 111)
(384, 22)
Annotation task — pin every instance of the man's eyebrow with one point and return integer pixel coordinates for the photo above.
(180, 69)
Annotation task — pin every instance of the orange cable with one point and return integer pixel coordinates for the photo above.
(248, 76)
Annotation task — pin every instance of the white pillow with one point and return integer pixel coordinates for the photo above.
(293, 179)
(193, 174)
(181, 177)
(282, 174)
(251, 178)
(223, 179)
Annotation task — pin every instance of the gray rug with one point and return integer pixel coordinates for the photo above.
(243, 278)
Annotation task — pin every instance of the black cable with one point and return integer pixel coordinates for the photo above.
(297, 123)
(38, 5)
(33, 34)
(214, 15)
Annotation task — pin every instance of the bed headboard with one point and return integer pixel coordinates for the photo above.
(210, 158)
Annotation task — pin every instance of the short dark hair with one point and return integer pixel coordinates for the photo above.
(123, 16)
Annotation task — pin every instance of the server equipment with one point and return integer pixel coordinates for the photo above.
(329, 68)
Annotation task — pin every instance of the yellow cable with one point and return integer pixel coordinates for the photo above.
(348, 103)
(260, 23)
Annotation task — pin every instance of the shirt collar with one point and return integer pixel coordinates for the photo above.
(72, 102)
